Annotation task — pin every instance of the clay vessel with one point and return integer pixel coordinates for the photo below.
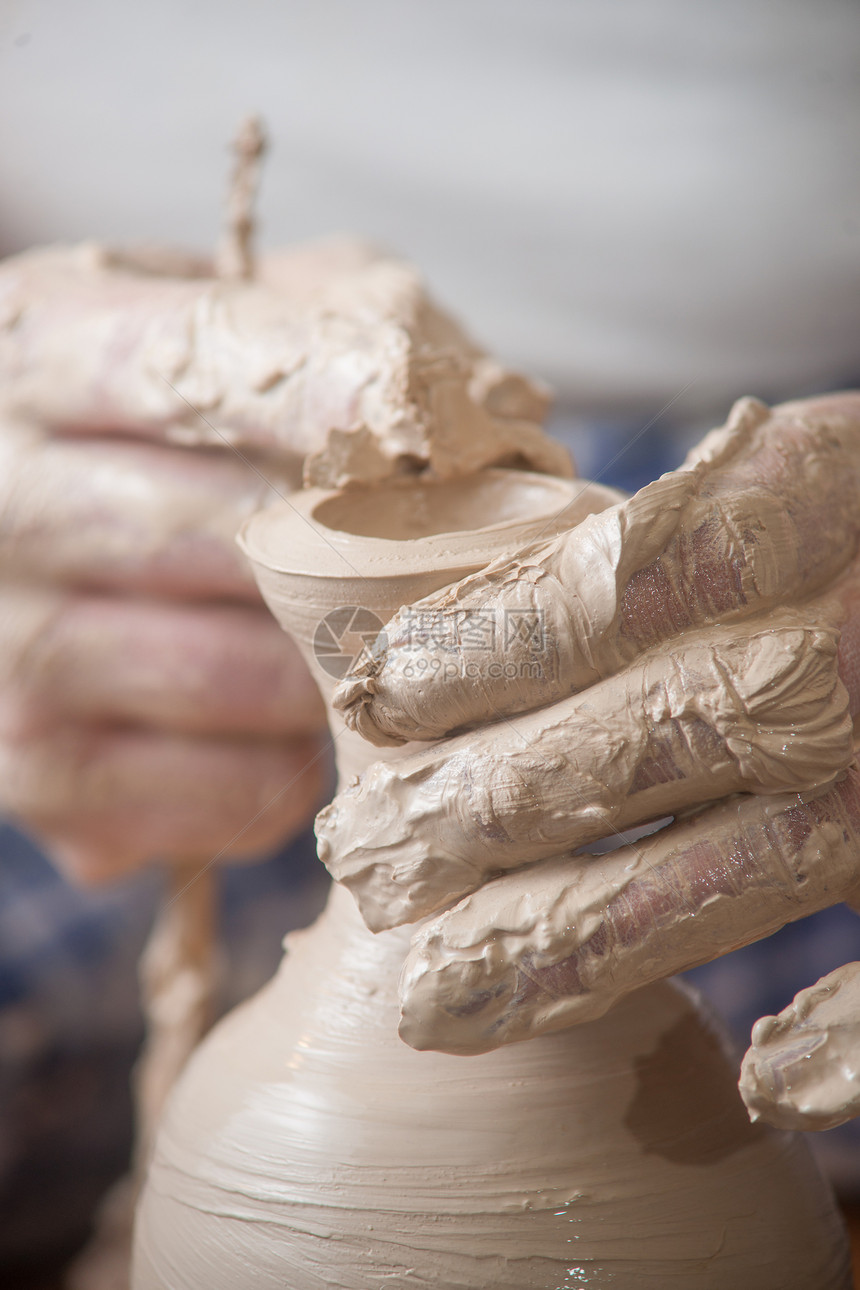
(306, 1147)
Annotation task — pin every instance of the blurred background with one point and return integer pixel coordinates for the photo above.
(653, 205)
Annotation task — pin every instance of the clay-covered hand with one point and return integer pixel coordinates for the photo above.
(691, 652)
(149, 705)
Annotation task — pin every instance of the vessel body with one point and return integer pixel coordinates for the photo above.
(307, 1147)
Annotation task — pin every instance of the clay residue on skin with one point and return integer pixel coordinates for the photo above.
(764, 511)
(560, 942)
(356, 376)
(803, 1069)
(759, 712)
(308, 1143)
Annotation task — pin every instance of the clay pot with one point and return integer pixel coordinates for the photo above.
(306, 1147)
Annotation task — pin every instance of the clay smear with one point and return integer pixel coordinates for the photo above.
(732, 711)
(308, 1143)
(803, 1069)
(764, 511)
(562, 941)
(337, 364)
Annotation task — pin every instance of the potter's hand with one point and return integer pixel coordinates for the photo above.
(693, 684)
(149, 705)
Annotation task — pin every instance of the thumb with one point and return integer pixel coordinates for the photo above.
(801, 1071)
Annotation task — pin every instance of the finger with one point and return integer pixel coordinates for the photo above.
(127, 516)
(105, 802)
(366, 365)
(764, 513)
(194, 669)
(803, 1069)
(723, 712)
(561, 942)
(91, 342)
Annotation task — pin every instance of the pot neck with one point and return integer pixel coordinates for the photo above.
(335, 566)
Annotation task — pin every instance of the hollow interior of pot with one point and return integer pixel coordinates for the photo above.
(401, 511)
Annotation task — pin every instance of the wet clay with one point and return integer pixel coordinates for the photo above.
(764, 510)
(307, 1146)
(802, 1070)
(335, 363)
(736, 711)
(661, 1112)
(561, 942)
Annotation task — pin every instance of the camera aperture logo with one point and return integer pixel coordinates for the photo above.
(345, 638)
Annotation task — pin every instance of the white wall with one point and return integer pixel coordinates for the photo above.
(625, 195)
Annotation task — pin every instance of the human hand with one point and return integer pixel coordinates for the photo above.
(700, 641)
(148, 703)
(149, 706)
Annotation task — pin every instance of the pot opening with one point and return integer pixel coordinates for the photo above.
(403, 511)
